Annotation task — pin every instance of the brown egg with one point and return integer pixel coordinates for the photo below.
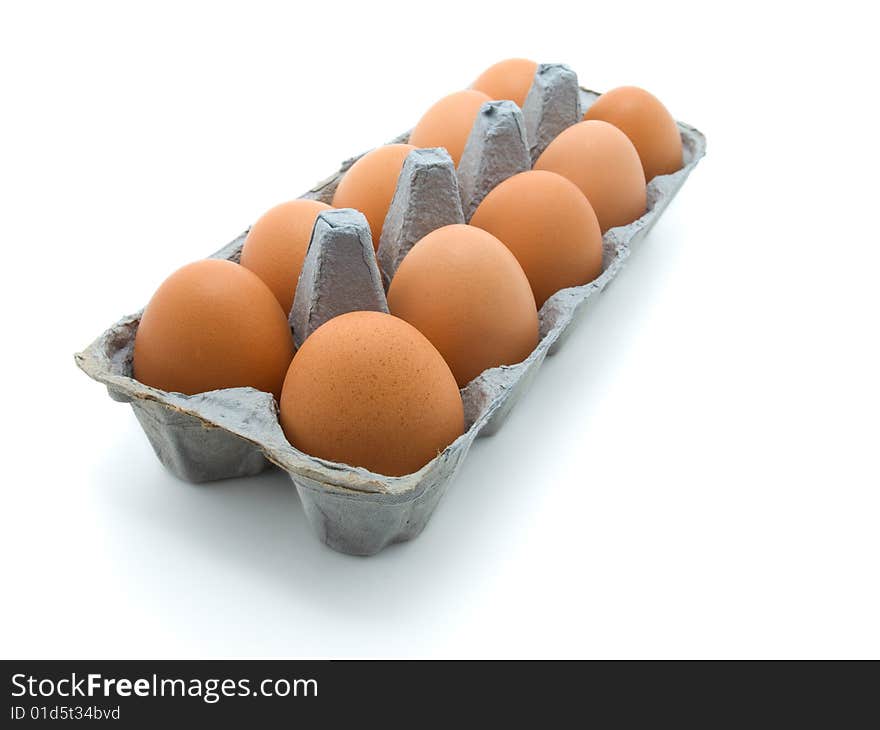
(367, 389)
(370, 183)
(510, 79)
(464, 290)
(276, 246)
(213, 324)
(448, 123)
(642, 118)
(549, 226)
(602, 162)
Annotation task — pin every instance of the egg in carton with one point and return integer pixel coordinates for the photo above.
(235, 432)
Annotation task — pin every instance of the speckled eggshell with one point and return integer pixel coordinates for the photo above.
(549, 225)
(465, 291)
(367, 389)
(510, 79)
(448, 123)
(650, 127)
(603, 163)
(369, 185)
(276, 246)
(213, 324)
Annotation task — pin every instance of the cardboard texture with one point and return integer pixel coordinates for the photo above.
(235, 432)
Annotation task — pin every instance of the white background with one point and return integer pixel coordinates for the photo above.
(694, 475)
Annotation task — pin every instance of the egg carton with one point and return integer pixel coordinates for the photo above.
(235, 432)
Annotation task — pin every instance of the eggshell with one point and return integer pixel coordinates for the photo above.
(369, 185)
(464, 290)
(549, 226)
(367, 389)
(643, 118)
(510, 79)
(213, 324)
(448, 123)
(602, 162)
(277, 243)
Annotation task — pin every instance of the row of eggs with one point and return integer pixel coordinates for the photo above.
(381, 391)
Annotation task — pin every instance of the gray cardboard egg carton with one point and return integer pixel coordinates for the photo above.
(235, 432)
